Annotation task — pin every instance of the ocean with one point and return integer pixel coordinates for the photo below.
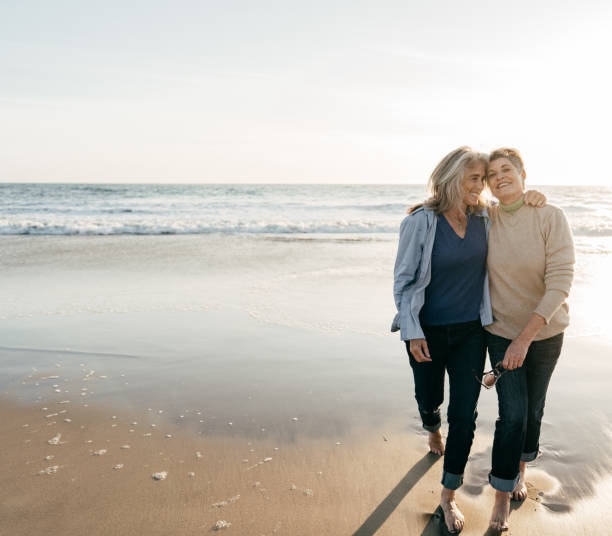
(151, 209)
(332, 234)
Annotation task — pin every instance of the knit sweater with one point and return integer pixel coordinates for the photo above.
(531, 267)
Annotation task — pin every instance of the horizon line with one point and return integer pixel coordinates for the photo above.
(192, 183)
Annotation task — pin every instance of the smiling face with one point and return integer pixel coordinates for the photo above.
(505, 181)
(473, 183)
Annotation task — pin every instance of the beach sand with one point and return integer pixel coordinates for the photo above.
(374, 481)
(107, 333)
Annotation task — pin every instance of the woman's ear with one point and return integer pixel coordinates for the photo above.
(524, 174)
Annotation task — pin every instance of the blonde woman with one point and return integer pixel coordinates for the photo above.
(531, 267)
(441, 292)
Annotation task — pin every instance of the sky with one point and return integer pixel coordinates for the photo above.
(298, 92)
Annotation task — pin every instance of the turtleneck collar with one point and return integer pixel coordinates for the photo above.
(512, 207)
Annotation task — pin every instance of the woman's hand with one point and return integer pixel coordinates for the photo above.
(534, 198)
(419, 350)
(515, 354)
(517, 351)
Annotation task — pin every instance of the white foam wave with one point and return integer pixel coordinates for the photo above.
(29, 227)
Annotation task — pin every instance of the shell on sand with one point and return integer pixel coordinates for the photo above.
(55, 440)
(222, 524)
(118, 466)
(99, 452)
(231, 500)
(124, 447)
(49, 470)
(160, 476)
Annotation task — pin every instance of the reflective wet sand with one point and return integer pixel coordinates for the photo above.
(328, 404)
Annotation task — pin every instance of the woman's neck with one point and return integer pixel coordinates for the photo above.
(458, 211)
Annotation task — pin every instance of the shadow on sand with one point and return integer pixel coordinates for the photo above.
(397, 494)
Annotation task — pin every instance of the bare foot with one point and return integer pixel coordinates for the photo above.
(501, 511)
(436, 445)
(452, 515)
(520, 490)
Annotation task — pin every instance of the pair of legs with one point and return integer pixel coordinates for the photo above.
(521, 398)
(459, 350)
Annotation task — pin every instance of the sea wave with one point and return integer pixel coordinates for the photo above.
(190, 227)
(593, 230)
(159, 226)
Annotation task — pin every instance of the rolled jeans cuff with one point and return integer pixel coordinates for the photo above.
(529, 456)
(451, 481)
(504, 484)
(432, 427)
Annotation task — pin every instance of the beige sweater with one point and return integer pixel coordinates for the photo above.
(531, 267)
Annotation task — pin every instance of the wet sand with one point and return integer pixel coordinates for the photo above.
(368, 484)
(331, 410)
(325, 474)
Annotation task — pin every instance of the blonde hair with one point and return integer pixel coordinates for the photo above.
(444, 184)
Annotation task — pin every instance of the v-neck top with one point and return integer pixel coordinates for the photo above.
(458, 267)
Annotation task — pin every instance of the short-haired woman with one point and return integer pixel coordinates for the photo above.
(441, 292)
(531, 267)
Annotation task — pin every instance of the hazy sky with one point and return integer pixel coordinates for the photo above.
(288, 91)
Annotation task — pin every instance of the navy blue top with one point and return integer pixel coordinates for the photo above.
(458, 269)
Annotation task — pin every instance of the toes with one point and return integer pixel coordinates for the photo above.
(498, 525)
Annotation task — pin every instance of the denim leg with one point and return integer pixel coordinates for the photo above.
(512, 420)
(539, 364)
(466, 360)
(429, 384)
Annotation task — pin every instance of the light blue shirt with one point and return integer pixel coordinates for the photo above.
(412, 273)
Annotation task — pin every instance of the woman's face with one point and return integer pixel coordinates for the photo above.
(473, 183)
(505, 181)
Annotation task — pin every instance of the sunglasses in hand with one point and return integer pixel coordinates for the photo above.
(489, 379)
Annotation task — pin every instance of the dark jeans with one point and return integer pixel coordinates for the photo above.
(460, 350)
(521, 396)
